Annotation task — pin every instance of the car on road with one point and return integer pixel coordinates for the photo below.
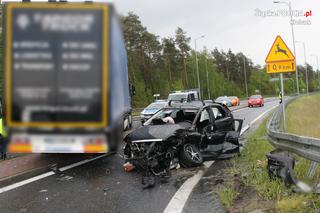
(235, 101)
(150, 110)
(256, 100)
(224, 100)
(183, 96)
(183, 132)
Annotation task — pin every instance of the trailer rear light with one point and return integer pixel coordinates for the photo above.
(95, 145)
(20, 145)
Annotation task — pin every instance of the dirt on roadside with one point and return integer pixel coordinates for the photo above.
(245, 199)
(248, 200)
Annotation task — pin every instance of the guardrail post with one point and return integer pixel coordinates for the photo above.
(312, 169)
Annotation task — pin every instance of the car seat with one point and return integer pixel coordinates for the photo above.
(179, 116)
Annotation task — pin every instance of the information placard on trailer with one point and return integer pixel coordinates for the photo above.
(56, 64)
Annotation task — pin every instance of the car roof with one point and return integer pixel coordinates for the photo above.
(157, 104)
(256, 96)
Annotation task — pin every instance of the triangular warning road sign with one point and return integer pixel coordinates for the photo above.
(279, 52)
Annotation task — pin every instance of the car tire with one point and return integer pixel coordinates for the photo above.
(190, 156)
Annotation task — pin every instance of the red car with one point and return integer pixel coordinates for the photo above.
(255, 100)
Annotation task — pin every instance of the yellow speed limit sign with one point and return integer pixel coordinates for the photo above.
(280, 67)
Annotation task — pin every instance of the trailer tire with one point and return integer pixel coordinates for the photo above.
(116, 138)
(130, 120)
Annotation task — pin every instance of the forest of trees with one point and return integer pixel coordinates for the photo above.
(160, 65)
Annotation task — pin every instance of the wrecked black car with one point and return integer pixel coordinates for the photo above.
(186, 133)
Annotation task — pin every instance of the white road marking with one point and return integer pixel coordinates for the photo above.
(180, 198)
(240, 109)
(260, 116)
(244, 129)
(39, 177)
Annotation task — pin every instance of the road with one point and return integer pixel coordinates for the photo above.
(103, 186)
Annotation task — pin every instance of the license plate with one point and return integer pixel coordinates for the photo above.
(65, 143)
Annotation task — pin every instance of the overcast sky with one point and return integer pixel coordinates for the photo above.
(230, 24)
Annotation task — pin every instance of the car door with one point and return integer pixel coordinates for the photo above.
(204, 120)
(223, 120)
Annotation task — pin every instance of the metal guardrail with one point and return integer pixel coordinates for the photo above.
(306, 147)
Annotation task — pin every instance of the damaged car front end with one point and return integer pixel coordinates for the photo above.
(182, 133)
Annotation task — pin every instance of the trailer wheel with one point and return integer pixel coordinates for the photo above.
(130, 120)
(116, 138)
(190, 156)
(127, 122)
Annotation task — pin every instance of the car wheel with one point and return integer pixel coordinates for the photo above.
(190, 156)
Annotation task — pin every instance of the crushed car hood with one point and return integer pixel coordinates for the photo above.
(162, 132)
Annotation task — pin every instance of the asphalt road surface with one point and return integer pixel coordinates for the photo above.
(103, 186)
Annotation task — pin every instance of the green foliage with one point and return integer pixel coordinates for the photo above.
(160, 65)
(252, 165)
(306, 121)
(227, 195)
(1, 65)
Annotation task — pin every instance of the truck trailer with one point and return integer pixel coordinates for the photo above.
(66, 87)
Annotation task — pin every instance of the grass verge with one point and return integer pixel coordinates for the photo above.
(303, 116)
(269, 195)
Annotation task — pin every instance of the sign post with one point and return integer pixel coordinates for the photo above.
(282, 101)
(280, 60)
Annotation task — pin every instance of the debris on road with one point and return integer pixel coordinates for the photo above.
(128, 167)
(280, 165)
(63, 177)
